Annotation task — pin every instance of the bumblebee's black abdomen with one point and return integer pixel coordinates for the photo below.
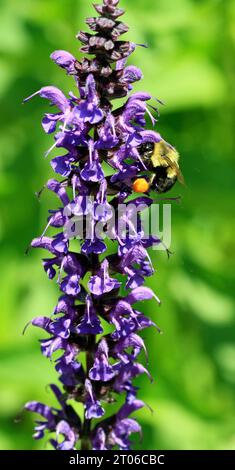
(162, 183)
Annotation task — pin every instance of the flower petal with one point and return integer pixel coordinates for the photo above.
(64, 59)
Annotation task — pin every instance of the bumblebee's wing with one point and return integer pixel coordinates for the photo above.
(180, 177)
(175, 167)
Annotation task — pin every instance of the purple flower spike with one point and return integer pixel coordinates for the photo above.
(98, 162)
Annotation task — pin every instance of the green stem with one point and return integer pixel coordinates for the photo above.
(86, 442)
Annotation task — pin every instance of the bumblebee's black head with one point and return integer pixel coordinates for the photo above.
(146, 147)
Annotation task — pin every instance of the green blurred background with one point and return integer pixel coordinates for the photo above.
(190, 66)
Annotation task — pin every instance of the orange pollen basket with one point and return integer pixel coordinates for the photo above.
(140, 185)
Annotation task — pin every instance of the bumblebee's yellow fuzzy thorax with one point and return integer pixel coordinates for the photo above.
(164, 155)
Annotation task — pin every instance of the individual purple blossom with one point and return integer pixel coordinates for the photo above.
(88, 131)
(102, 371)
(71, 372)
(117, 429)
(102, 210)
(65, 60)
(49, 420)
(89, 323)
(102, 283)
(64, 429)
(99, 440)
(94, 245)
(88, 109)
(92, 405)
(107, 134)
(62, 420)
(121, 348)
(125, 373)
(70, 285)
(92, 170)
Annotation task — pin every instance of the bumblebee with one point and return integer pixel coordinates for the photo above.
(162, 163)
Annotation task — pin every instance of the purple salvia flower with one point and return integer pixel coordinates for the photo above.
(99, 439)
(70, 285)
(65, 60)
(90, 131)
(102, 210)
(88, 109)
(71, 372)
(132, 341)
(64, 429)
(102, 371)
(89, 323)
(92, 170)
(101, 283)
(92, 405)
(52, 417)
(93, 245)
